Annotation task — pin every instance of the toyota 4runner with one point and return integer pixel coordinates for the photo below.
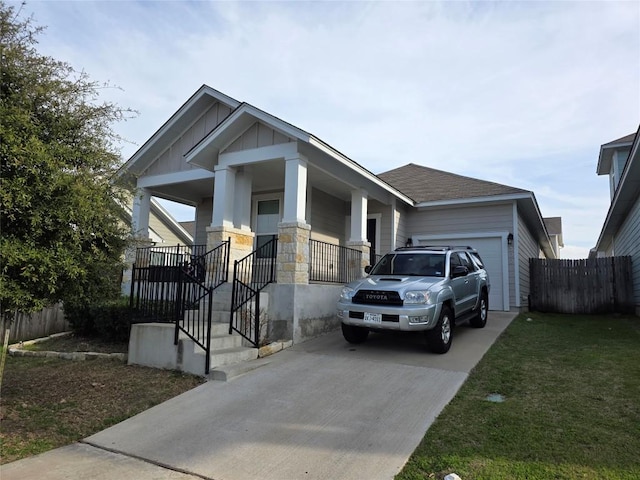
(427, 289)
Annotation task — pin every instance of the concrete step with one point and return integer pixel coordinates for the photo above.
(224, 373)
(222, 342)
(229, 356)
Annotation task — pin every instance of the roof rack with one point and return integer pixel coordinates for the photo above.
(440, 248)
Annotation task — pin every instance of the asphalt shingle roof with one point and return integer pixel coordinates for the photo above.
(424, 184)
(627, 138)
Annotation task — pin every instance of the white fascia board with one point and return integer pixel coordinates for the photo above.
(176, 177)
(320, 145)
(472, 200)
(259, 154)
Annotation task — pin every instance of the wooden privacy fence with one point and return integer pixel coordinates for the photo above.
(34, 325)
(598, 285)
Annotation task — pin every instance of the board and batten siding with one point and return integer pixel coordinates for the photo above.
(172, 159)
(327, 217)
(256, 136)
(627, 243)
(402, 216)
(527, 248)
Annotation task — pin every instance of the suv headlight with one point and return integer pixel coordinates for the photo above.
(417, 297)
(347, 293)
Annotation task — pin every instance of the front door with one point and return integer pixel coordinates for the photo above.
(267, 219)
(371, 238)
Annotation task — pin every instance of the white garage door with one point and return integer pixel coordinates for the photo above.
(490, 249)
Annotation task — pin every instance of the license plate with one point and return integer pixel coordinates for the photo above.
(372, 317)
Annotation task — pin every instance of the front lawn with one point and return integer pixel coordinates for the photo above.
(571, 410)
(48, 402)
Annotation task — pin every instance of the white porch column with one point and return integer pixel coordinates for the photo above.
(140, 214)
(223, 196)
(295, 189)
(358, 216)
(394, 224)
(242, 201)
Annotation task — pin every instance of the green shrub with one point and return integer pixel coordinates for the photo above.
(110, 320)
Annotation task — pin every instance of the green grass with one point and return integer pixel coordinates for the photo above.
(571, 411)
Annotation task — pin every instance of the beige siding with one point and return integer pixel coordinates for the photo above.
(167, 235)
(444, 221)
(385, 242)
(527, 248)
(627, 243)
(172, 159)
(328, 218)
(257, 135)
(467, 220)
(402, 217)
(204, 213)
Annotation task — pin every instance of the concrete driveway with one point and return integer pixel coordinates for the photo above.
(321, 409)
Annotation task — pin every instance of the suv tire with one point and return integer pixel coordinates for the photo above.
(439, 337)
(354, 334)
(480, 320)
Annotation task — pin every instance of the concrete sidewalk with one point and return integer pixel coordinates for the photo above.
(321, 409)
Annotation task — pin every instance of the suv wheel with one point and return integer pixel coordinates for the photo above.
(354, 334)
(480, 320)
(439, 337)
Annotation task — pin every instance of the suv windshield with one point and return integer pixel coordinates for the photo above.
(416, 264)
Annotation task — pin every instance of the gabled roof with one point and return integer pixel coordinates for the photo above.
(188, 113)
(424, 184)
(554, 227)
(626, 195)
(429, 187)
(607, 150)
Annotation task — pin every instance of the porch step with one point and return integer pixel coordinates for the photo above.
(230, 356)
(224, 373)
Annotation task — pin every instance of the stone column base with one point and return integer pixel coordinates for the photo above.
(365, 248)
(292, 263)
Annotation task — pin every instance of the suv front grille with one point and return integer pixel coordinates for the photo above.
(377, 297)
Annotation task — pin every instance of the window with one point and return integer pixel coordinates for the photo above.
(267, 218)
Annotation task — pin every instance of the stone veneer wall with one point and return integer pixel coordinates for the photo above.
(292, 262)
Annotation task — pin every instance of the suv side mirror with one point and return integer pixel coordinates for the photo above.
(367, 269)
(459, 271)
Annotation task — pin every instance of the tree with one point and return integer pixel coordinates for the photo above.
(62, 236)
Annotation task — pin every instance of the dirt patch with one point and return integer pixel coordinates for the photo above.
(76, 343)
(47, 402)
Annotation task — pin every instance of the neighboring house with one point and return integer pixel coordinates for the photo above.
(620, 235)
(162, 230)
(253, 177)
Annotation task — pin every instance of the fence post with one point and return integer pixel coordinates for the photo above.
(257, 321)
(233, 295)
(178, 306)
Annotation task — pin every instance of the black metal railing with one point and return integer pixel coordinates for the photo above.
(251, 274)
(175, 285)
(331, 263)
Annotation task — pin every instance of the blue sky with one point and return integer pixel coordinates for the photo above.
(519, 93)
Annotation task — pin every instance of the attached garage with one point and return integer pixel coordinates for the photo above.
(493, 250)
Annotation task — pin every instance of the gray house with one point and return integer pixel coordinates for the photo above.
(620, 235)
(294, 218)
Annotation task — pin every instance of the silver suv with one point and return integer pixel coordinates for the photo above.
(428, 289)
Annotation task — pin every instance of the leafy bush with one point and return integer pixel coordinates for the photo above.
(110, 320)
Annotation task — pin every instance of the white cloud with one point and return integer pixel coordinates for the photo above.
(521, 93)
